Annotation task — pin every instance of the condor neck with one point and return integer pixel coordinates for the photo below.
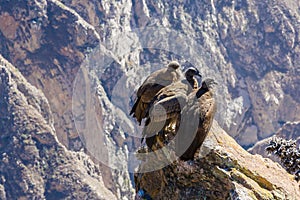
(201, 91)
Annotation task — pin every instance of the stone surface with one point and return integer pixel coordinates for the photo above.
(221, 170)
(47, 42)
(34, 164)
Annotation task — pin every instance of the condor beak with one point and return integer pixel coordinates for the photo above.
(198, 74)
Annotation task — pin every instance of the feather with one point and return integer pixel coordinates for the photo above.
(196, 121)
(153, 84)
(166, 107)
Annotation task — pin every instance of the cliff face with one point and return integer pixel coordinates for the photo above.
(250, 47)
(47, 41)
(34, 165)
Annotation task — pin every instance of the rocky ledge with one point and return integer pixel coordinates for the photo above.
(221, 170)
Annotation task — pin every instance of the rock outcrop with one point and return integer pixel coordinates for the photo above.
(34, 165)
(221, 170)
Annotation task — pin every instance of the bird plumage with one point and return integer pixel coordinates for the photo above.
(153, 84)
(167, 105)
(195, 120)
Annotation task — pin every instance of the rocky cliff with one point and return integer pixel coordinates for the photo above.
(34, 165)
(250, 47)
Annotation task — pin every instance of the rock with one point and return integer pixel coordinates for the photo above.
(222, 169)
(34, 164)
(46, 41)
